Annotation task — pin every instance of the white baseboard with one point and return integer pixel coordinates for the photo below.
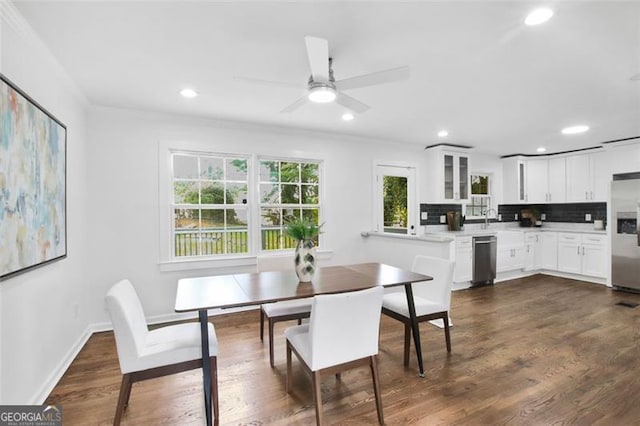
(57, 373)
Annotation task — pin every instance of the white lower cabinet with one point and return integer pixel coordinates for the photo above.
(533, 252)
(464, 260)
(549, 251)
(510, 254)
(583, 254)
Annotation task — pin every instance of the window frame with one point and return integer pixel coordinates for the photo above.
(472, 196)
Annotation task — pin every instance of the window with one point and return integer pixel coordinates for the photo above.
(210, 205)
(395, 199)
(287, 189)
(480, 200)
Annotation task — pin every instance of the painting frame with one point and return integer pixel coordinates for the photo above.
(33, 183)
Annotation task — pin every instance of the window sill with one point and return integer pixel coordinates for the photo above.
(228, 262)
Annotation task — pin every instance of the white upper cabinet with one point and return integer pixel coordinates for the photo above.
(448, 175)
(545, 180)
(584, 182)
(513, 172)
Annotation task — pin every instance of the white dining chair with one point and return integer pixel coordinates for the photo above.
(280, 311)
(146, 354)
(342, 334)
(432, 299)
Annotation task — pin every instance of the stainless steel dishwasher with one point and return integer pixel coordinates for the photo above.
(484, 260)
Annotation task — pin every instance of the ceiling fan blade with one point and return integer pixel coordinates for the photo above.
(380, 77)
(297, 104)
(268, 82)
(318, 54)
(351, 103)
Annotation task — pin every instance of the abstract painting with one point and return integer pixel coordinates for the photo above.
(33, 217)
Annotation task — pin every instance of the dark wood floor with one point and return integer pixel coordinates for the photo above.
(535, 351)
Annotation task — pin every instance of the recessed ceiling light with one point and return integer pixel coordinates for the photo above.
(322, 94)
(443, 133)
(538, 16)
(541, 149)
(574, 129)
(347, 116)
(188, 93)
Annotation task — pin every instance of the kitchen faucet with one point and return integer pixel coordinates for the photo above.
(486, 217)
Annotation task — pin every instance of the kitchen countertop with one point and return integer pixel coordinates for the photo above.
(494, 228)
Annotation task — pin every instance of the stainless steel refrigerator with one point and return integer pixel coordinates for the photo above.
(625, 241)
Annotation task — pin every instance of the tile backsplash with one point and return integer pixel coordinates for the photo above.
(565, 212)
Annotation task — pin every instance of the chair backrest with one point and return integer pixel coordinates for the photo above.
(344, 327)
(275, 263)
(438, 290)
(129, 324)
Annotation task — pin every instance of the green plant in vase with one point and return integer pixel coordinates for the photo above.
(304, 231)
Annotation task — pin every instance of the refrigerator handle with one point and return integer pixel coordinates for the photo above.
(638, 223)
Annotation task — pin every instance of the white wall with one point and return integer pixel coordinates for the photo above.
(39, 327)
(123, 174)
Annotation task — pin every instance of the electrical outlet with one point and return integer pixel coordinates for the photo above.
(500, 217)
(587, 217)
(516, 216)
(424, 215)
(543, 216)
(443, 218)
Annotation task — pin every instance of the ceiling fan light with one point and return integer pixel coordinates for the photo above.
(188, 93)
(538, 16)
(541, 149)
(443, 133)
(322, 95)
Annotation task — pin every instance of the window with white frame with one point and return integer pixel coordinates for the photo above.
(210, 204)
(288, 188)
(480, 200)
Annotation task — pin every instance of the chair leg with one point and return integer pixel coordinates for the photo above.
(317, 396)
(214, 387)
(123, 398)
(271, 342)
(288, 381)
(376, 388)
(447, 335)
(261, 325)
(407, 343)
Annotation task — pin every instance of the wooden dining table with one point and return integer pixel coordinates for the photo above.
(237, 290)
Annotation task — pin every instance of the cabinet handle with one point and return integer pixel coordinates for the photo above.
(578, 250)
(583, 250)
(586, 195)
(591, 193)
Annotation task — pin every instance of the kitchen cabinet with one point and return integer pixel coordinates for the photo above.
(448, 176)
(514, 173)
(510, 254)
(583, 181)
(545, 180)
(549, 251)
(464, 260)
(533, 252)
(582, 254)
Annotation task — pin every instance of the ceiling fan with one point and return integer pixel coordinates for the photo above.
(322, 86)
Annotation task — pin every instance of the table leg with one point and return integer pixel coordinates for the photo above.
(206, 365)
(414, 326)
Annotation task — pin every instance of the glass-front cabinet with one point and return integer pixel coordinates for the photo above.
(456, 177)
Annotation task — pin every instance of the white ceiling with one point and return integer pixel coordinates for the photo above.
(476, 70)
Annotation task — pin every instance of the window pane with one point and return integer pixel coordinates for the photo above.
(270, 217)
(236, 169)
(269, 171)
(288, 214)
(312, 215)
(479, 185)
(211, 168)
(187, 237)
(269, 193)
(185, 166)
(270, 232)
(309, 194)
(290, 194)
(394, 205)
(309, 173)
(211, 193)
(237, 218)
(212, 242)
(236, 193)
(237, 242)
(289, 172)
(185, 192)
(186, 219)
